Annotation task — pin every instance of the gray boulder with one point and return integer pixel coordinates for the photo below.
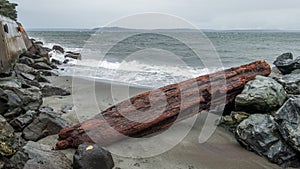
(47, 123)
(31, 98)
(28, 76)
(15, 100)
(291, 82)
(24, 120)
(73, 55)
(10, 104)
(288, 118)
(42, 65)
(261, 95)
(92, 156)
(49, 90)
(286, 64)
(39, 51)
(35, 155)
(58, 48)
(30, 54)
(26, 60)
(259, 133)
(22, 68)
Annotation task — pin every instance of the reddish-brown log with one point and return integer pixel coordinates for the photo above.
(187, 98)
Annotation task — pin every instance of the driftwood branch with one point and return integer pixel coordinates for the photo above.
(142, 115)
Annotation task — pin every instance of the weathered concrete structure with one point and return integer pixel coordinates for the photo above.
(13, 42)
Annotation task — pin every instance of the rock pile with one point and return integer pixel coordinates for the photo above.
(21, 116)
(272, 129)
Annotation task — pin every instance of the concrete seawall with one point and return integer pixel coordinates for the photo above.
(13, 42)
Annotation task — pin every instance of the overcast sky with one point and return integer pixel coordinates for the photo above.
(206, 14)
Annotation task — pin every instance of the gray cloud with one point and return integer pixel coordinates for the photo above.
(215, 14)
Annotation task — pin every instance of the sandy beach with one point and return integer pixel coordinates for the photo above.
(219, 152)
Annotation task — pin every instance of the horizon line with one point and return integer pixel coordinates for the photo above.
(124, 28)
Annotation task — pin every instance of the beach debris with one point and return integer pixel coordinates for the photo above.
(92, 156)
(47, 123)
(260, 133)
(58, 48)
(290, 82)
(288, 118)
(35, 155)
(286, 64)
(50, 90)
(236, 78)
(261, 95)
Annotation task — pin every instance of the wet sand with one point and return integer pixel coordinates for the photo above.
(221, 151)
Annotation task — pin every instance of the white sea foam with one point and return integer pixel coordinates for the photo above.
(129, 72)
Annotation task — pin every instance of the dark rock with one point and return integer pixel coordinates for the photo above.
(39, 43)
(28, 76)
(47, 123)
(8, 101)
(259, 133)
(261, 95)
(290, 96)
(26, 60)
(23, 68)
(17, 101)
(29, 55)
(29, 83)
(39, 50)
(56, 61)
(24, 120)
(31, 98)
(42, 65)
(10, 83)
(58, 48)
(73, 55)
(41, 78)
(288, 118)
(53, 66)
(66, 61)
(291, 82)
(286, 64)
(297, 63)
(9, 141)
(42, 59)
(48, 72)
(34, 155)
(92, 156)
(5, 74)
(49, 90)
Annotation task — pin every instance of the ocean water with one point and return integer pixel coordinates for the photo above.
(155, 59)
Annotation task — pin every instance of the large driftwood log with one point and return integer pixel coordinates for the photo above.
(179, 98)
